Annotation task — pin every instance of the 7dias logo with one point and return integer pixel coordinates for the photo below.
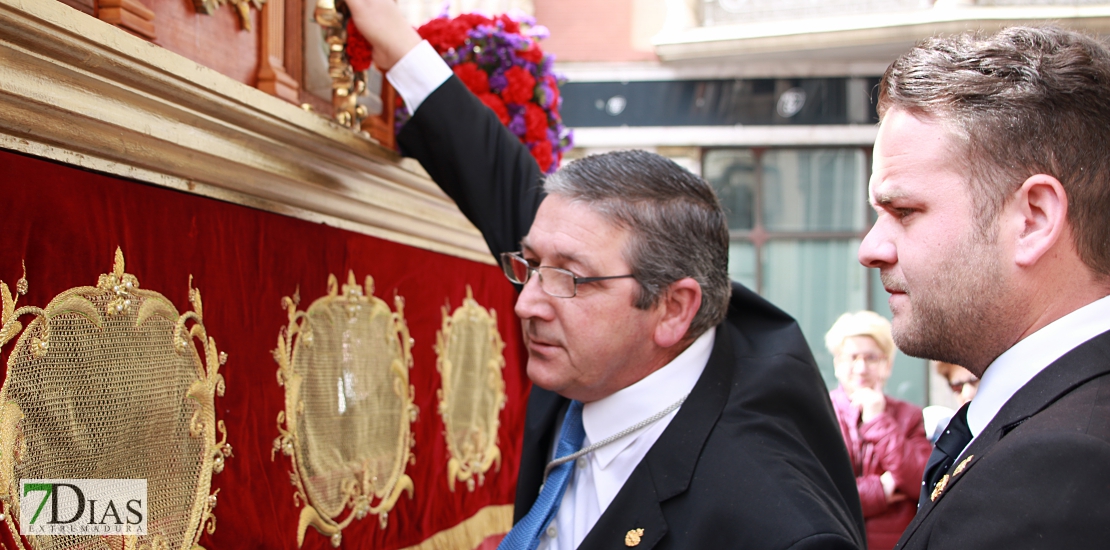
(82, 507)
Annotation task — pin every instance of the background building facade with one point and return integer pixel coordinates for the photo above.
(773, 102)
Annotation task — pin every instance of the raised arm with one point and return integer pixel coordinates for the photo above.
(458, 140)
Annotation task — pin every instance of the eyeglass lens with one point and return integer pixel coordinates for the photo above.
(515, 268)
(554, 281)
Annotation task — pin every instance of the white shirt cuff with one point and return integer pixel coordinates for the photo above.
(418, 74)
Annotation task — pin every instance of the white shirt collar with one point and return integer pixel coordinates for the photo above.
(1027, 358)
(655, 392)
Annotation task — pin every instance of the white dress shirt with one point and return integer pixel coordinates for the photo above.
(599, 476)
(1027, 358)
(418, 74)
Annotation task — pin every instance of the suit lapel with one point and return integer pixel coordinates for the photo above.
(541, 422)
(1087, 361)
(668, 467)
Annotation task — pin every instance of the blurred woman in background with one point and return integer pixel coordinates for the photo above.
(885, 436)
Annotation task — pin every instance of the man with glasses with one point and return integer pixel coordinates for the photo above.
(670, 408)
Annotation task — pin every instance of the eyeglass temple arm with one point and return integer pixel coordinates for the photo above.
(592, 279)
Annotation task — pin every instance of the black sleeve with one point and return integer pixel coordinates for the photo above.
(478, 162)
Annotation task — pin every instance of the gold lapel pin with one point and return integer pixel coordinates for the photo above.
(939, 488)
(962, 465)
(632, 538)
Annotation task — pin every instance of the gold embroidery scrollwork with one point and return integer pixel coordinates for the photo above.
(470, 362)
(106, 382)
(346, 426)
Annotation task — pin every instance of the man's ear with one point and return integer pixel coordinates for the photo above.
(1041, 206)
(677, 308)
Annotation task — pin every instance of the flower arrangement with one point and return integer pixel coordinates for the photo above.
(499, 59)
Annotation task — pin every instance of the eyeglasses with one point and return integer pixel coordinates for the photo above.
(867, 358)
(556, 282)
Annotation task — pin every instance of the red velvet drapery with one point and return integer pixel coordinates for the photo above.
(66, 223)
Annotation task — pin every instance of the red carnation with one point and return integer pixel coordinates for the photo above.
(535, 120)
(472, 20)
(521, 87)
(532, 55)
(443, 34)
(476, 79)
(497, 106)
(359, 52)
(553, 85)
(508, 24)
(542, 152)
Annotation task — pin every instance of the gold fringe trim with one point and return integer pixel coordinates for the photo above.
(489, 521)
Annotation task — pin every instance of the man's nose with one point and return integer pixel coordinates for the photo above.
(877, 249)
(533, 302)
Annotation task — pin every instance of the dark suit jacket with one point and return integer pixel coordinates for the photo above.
(1039, 474)
(753, 459)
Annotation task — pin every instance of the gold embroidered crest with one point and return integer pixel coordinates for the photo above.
(349, 407)
(470, 361)
(110, 382)
(939, 488)
(962, 465)
(633, 536)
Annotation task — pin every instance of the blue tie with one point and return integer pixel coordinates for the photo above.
(525, 535)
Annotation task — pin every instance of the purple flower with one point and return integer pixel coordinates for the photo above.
(545, 95)
(495, 50)
(538, 32)
(566, 138)
(497, 80)
(517, 124)
(518, 15)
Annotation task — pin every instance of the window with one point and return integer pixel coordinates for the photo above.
(796, 217)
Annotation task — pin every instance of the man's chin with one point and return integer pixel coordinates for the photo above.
(545, 373)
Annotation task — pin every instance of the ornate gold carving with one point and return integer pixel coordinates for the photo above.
(473, 391)
(110, 382)
(349, 406)
(243, 7)
(346, 83)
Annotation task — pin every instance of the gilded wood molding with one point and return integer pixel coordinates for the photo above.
(83, 92)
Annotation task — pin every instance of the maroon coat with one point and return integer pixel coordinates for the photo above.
(892, 442)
